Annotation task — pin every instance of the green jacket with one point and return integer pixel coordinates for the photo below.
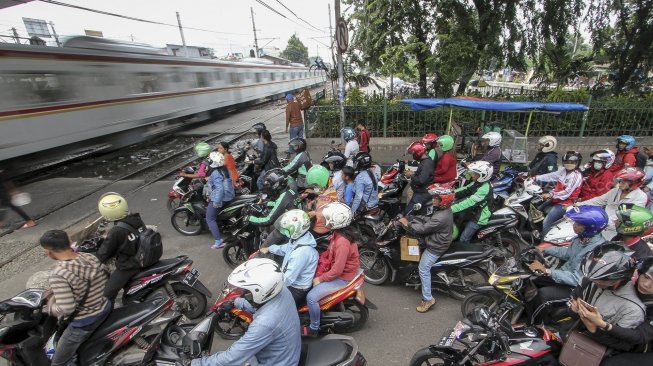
(286, 201)
(474, 198)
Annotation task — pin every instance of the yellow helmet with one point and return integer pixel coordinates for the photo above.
(113, 206)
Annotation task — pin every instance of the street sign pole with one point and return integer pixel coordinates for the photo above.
(342, 40)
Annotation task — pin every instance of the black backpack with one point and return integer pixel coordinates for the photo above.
(640, 159)
(149, 246)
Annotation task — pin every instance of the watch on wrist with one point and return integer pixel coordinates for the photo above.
(606, 327)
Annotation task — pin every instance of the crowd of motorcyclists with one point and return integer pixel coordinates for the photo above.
(606, 278)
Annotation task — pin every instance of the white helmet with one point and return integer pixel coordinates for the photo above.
(482, 168)
(549, 143)
(294, 223)
(337, 215)
(217, 159)
(493, 137)
(260, 276)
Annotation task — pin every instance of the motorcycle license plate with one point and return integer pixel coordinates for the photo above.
(191, 277)
(448, 338)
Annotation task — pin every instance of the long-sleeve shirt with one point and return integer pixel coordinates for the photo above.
(268, 159)
(543, 163)
(364, 140)
(423, 176)
(283, 203)
(230, 164)
(293, 115)
(338, 184)
(118, 245)
(623, 158)
(299, 165)
(351, 150)
(474, 196)
(611, 200)
(436, 228)
(348, 194)
(492, 156)
(299, 261)
(573, 255)
(639, 338)
(365, 191)
(70, 280)
(596, 184)
(445, 170)
(567, 186)
(222, 188)
(273, 337)
(343, 256)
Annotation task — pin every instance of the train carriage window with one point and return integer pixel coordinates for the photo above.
(258, 77)
(283, 76)
(33, 88)
(217, 75)
(272, 76)
(146, 82)
(202, 79)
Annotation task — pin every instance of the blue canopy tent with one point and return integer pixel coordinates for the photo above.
(493, 105)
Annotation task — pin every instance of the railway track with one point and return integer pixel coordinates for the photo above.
(149, 173)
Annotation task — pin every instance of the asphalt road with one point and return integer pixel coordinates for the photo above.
(392, 334)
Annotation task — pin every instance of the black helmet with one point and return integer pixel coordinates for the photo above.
(645, 266)
(297, 144)
(338, 159)
(259, 127)
(362, 161)
(274, 181)
(609, 261)
(574, 156)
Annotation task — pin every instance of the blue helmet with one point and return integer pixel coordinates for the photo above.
(348, 133)
(593, 218)
(626, 139)
(289, 97)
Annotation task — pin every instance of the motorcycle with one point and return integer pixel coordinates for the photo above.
(523, 202)
(184, 190)
(190, 218)
(500, 231)
(128, 336)
(343, 311)
(457, 271)
(511, 284)
(488, 338)
(243, 239)
(503, 183)
(391, 187)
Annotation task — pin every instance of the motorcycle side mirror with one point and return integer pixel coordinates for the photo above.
(417, 206)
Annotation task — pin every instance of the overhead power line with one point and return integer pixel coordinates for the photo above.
(53, 2)
(277, 12)
(297, 16)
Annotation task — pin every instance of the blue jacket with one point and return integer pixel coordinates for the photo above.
(273, 337)
(364, 191)
(222, 188)
(299, 261)
(570, 273)
(348, 194)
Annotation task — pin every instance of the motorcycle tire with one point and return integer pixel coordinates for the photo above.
(426, 357)
(186, 222)
(231, 326)
(197, 300)
(512, 246)
(360, 312)
(474, 300)
(473, 276)
(376, 271)
(234, 254)
(173, 204)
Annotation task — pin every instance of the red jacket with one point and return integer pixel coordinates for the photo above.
(364, 141)
(343, 256)
(624, 157)
(596, 184)
(445, 170)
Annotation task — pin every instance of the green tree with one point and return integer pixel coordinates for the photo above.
(295, 51)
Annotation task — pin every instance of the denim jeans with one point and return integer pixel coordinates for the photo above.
(313, 298)
(296, 131)
(72, 337)
(259, 181)
(468, 233)
(556, 213)
(212, 220)
(425, 263)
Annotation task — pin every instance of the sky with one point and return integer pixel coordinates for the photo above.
(232, 18)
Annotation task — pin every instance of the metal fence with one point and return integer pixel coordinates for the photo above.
(604, 118)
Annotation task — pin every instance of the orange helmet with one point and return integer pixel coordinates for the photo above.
(429, 139)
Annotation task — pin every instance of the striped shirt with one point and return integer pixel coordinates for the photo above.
(70, 280)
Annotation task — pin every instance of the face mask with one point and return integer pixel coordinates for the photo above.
(598, 166)
(570, 166)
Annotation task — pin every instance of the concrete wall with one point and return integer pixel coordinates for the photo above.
(386, 151)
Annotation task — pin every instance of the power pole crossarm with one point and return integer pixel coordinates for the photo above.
(254, 29)
(183, 40)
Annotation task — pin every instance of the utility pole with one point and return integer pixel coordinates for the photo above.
(54, 33)
(341, 76)
(16, 36)
(333, 57)
(181, 30)
(251, 9)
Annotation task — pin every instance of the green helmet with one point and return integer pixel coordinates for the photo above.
(446, 142)
(634, 220)
(317, 176)
(293, 224)
(203, 149)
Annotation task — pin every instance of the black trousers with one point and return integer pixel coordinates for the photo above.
(625, 359)
(298, 295)
(548, 290)
(5, 200)
(423, 198)
(117, 281)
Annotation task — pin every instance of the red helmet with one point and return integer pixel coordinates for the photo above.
(632, 175)
(445, 192)
(429, 139)
(417, 149)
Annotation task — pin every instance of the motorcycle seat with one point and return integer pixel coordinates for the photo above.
(127, 316)
(498, 221)
(465, 255)
(161, 266)
(240, 199)
(324, 353)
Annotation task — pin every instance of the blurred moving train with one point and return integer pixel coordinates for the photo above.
(54, 97)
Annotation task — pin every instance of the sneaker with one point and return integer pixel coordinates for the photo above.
(425, 305)
(219, 244)
(309, 332)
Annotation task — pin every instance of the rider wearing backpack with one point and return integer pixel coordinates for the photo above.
(119, 242)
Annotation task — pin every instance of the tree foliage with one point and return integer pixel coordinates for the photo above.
(295, 51)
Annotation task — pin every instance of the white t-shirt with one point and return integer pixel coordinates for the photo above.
(351, 149)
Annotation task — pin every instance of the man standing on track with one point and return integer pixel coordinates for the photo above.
(294, 119)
